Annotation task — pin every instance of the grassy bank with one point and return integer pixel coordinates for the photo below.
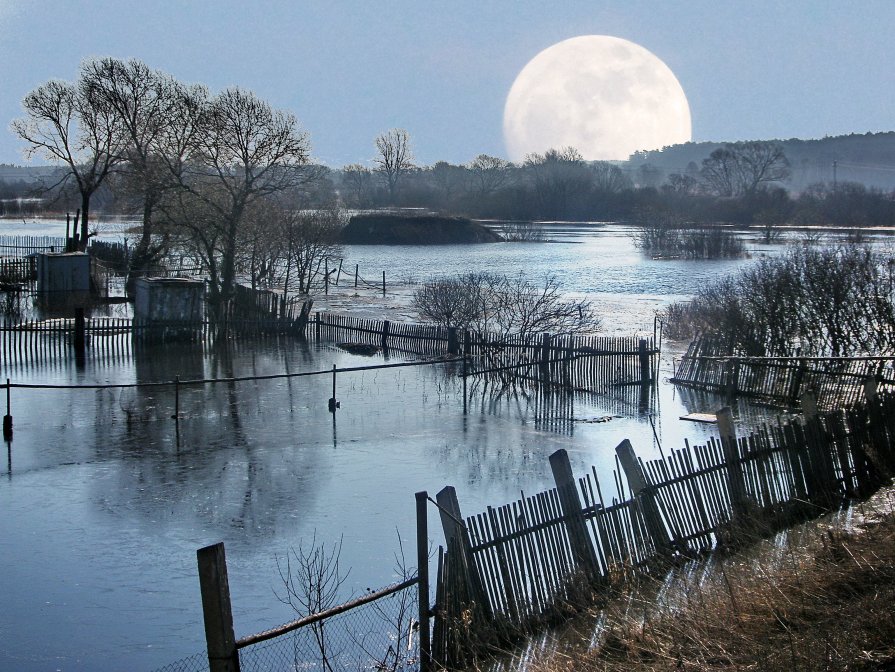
(822, 598)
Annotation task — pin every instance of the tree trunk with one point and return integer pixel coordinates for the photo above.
(85, 207)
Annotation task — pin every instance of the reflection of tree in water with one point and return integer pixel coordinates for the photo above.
(231, 469)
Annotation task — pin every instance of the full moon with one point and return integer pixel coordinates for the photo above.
(604, 96)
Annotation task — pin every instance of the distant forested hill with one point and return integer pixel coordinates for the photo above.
(867, 158)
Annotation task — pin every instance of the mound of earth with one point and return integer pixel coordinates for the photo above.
(383, 229)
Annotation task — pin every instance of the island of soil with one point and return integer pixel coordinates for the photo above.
(386, 229)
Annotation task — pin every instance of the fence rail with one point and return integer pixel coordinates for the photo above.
(514, 567)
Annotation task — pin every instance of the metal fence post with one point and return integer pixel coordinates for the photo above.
(223, 655)
(422, 570)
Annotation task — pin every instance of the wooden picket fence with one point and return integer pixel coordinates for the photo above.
(18, 247)
(584, 363)
(835, 381)
(513, 568)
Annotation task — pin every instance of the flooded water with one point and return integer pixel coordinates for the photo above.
(105, 499)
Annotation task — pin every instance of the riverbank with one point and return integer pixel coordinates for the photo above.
(819, 598)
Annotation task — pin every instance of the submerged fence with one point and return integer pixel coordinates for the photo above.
(835, 381)
(584, 363)
(513, 568)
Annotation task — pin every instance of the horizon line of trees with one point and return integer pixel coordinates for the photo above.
(200, 169)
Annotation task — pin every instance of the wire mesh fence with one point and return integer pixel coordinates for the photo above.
(198, 662)
(377, 635)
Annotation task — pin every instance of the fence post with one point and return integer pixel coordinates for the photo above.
(809, 404)
(356, 266)
(453, 343)
(7, 419)
(455, 529)
(573, 516)
(422, 570)
(732, 375)
(644, 362)
(317, 325)
(223, 655)
(80, 328)
(333, 404)
(383, 283)
(386, 325)
(645, 498)
(871, 384)
(735, 482)
(545, 358)
(177, 398)
(325, 276)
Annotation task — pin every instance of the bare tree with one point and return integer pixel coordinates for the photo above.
(66, 123)
(450, 302)
(358, 181)
(741, 168)
(558, 176)
(308, 239)
(504, 305)
(145, 103)
(312, 579)
(490, 173)
(395, 157)
(243, 151)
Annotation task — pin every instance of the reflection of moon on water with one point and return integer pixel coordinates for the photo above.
(604, 96)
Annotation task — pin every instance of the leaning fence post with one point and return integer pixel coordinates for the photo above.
(223, 656)
(422, 572)
(735, 482)
(455, 529)
(645, 497)
(573, 515)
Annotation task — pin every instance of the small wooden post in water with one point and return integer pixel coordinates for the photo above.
(422, 564)
(223, 655)
(333, 404)
(383, 283)
(325, 276)
(356, 266)
(583, 550)
(7, 419)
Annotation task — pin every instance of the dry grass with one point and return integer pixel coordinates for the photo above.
(824, 601)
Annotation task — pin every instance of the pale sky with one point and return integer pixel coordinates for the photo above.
(352, 69)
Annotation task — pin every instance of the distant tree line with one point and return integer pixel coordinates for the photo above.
(741, 183)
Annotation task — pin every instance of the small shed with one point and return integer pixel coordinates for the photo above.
(63, 276)
(169, 307)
